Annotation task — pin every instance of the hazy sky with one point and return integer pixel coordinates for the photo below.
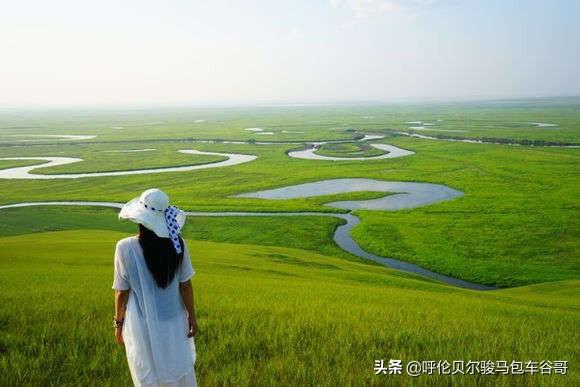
(194, 51)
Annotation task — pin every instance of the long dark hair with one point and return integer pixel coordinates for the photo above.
(160, 255)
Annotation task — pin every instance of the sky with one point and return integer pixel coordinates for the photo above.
(182, 52)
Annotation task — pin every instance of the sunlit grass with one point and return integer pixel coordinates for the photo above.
(271, 315)
(516, 223)
(350, 149)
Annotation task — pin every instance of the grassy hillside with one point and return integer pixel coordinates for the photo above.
(309, 233)
(271, 315)
(278, 302)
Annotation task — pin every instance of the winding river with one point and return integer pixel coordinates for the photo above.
(25, 172)
(310, 153)
(57, 136)
(407, 195)
(392, 152)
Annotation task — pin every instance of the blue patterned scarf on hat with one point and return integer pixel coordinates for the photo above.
(173, 227)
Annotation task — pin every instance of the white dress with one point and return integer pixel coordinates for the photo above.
(158, 350)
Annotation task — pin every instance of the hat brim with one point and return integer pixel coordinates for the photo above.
(153, 220)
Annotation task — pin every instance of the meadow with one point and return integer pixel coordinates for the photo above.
(348, 149)
(322, 315)
(522, 201)
(273, 316)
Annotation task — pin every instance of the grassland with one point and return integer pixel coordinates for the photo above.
(107, 157)
(18, 163)
(271, 315)
(518, 214)
(308, 233)
(278, 302)
(348, 149)
(499, 119)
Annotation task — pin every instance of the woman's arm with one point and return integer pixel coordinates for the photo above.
(121, 298)
(186, 291)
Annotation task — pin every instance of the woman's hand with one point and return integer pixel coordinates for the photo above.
(119, 335)
(121, 299)
(192, 327)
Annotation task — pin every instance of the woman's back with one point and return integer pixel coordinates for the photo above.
(156, 325)
(166, 300)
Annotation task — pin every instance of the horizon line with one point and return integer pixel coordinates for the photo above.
(286, 103)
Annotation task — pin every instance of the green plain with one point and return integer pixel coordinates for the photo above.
(279, 303)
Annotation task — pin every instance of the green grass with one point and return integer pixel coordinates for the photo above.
(105, 158)
(348, 149)
(528, 246)
(272, 316)
(518, 214)
(18, 163)
(278, 303)
(309, 233)
(499, 119)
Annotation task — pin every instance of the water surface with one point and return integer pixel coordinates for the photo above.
(26, 171)
(407, 194)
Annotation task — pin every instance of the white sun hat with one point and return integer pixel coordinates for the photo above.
(153, 211)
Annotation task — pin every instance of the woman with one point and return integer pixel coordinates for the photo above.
(154, 308)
